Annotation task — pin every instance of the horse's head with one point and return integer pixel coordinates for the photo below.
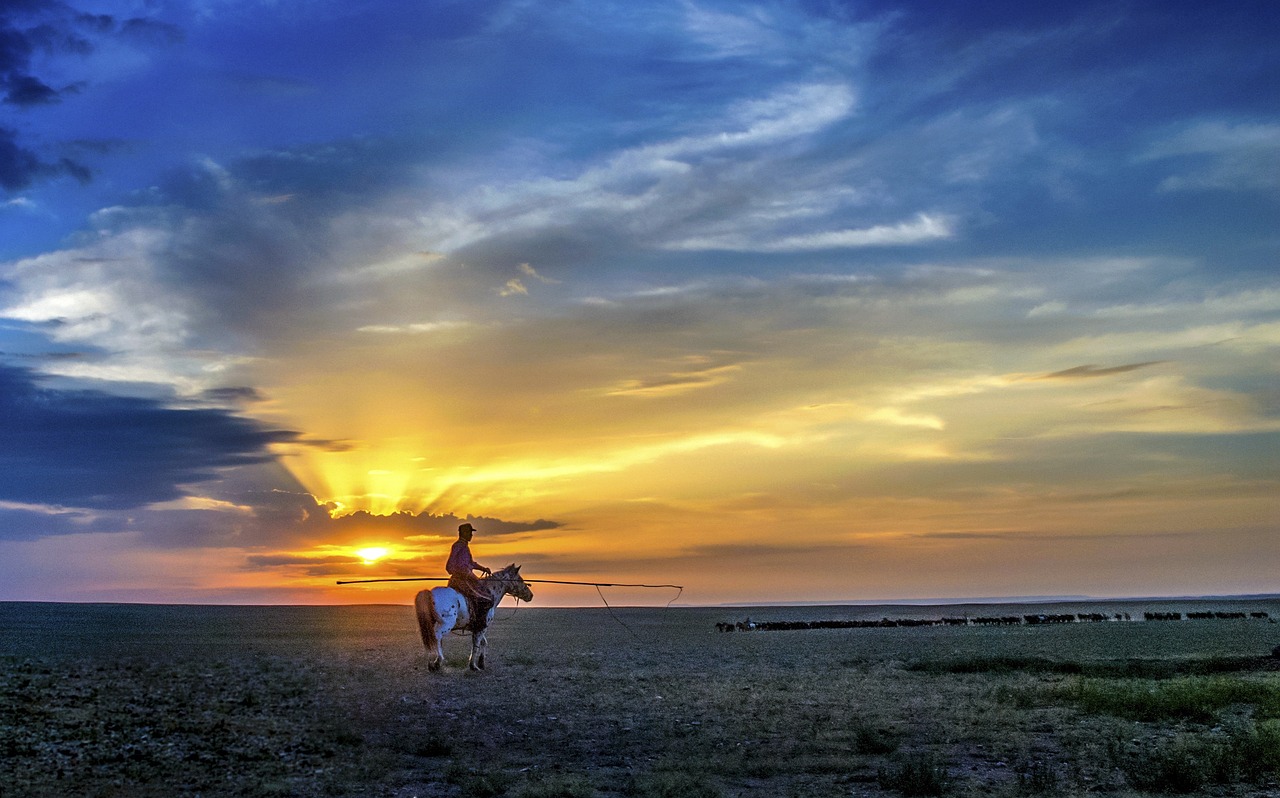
(512, 583)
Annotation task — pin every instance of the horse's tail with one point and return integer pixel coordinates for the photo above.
(425, 606)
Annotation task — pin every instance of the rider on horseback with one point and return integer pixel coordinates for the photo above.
(461, 578)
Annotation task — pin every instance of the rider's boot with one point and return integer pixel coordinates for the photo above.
(480, 618)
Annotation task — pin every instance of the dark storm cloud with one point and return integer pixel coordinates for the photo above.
(314, 566)
(252, 243)
(261, 519)
(254, 520)
(24, 90)
(232, 395)
(20, 167)
(335, 565)
(91, 449)
(150, 31)
(29, 27)
(19, 524)
(18, 45)
(257, 244)
(277, 560)
(436, 525)
(394, 526)
(282, 518)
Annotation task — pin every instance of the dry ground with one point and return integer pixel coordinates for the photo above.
(133, 701)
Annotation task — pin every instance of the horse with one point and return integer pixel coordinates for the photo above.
(442, 610)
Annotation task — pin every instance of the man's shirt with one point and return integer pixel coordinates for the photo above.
(460, 561)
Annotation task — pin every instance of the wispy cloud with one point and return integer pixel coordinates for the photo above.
(923, 228)
(413, 328)
(1221, 155)
(647, 189)
(1090, 371)
(676, 382)
(513, 287)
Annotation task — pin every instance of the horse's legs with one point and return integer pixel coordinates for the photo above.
(424, 607)
(479, 641)
(440, 633)
(433, 656)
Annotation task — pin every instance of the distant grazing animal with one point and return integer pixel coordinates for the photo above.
(442, 610)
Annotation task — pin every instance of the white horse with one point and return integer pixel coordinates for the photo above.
(442, 610)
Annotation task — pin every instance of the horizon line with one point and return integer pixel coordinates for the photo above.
(926, 602)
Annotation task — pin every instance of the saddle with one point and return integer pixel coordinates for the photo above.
(478, 606)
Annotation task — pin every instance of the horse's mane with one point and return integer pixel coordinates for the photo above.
(511, 582)
(510, 570)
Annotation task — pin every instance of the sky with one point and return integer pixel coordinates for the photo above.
(778, 301)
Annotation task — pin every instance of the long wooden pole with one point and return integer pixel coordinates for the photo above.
(536, 581)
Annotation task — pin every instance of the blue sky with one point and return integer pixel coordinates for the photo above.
(955, 299)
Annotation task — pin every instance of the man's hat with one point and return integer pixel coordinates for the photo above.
(466, 528)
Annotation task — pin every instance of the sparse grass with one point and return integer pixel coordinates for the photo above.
(998, 664)
(1182, 766)
(1190, 762)
(479, 782)
(248, 726)
(1132, 668)
(1038, 777)
(337, 702)
(673, 784)
(1197, 699)
(430, 746)
(875, 740)
(1255, 752)
(557, 786)
(916, 775)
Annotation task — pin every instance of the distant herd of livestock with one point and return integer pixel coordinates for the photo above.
(1005, 620)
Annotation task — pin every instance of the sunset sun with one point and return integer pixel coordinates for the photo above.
(372, 554)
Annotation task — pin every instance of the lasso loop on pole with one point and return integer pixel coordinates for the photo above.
(679, 593)
(614, 614)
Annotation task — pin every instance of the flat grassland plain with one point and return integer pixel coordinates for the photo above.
(147, 700)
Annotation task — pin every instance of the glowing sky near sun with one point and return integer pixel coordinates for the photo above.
(779, 301)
